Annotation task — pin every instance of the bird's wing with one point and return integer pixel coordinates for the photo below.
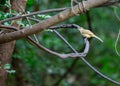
(86, 35)
(84, 31)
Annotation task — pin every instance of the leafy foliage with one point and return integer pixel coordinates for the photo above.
(44, 69)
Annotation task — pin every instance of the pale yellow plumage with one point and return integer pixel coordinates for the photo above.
(88, 33)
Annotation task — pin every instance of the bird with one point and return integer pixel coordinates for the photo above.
(88, 34)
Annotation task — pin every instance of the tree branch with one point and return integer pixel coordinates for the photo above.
(109, 3)
(47, 50)
(75, 54)
(87, 63)
(52, 10)
(49, 22)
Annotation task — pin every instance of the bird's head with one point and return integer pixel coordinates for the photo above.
(80, 29)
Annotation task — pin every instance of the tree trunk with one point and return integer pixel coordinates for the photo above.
(6, 49)
(19, 78)
(5, 57)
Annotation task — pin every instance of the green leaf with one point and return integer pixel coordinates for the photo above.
(10, 71)
(7, 66)
(44, 16)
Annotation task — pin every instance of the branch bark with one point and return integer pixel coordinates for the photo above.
(51, 21)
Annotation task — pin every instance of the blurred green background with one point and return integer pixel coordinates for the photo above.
(39, 68)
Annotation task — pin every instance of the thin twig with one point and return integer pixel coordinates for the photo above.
(88, 64)
(31, 14)
(116, 42)
(110, 3)
(55, 53)
(51, 10)
(44, 24)
(82, 55)
(72, 1)
(62, 38)
(76, 60)
(42, 47)
(89, 23)
(36, 39)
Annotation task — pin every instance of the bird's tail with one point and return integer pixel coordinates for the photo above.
(98, 38)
